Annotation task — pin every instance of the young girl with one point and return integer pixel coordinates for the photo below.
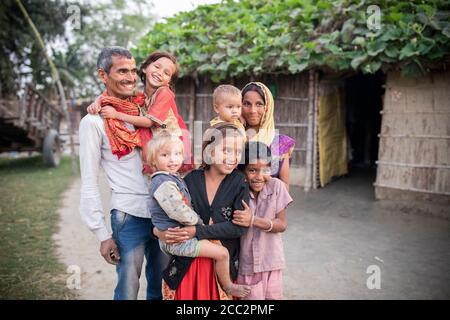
(262, 257)
(158, 109)
(170, 208)
(219, 193)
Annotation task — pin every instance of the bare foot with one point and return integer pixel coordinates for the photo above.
(237, 290)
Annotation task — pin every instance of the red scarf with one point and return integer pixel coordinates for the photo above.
(121, 139)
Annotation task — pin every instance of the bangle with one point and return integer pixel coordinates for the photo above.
(252, 220)
(271, 226)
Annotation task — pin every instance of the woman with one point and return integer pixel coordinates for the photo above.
(218, 192)
(257, 111)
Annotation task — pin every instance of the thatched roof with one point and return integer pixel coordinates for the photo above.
(288, 36)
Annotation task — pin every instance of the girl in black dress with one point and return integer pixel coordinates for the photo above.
(218, 190)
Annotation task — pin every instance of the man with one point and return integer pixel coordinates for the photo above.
(131, 225)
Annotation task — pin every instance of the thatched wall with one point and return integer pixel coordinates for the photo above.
(414, 152)
(194, 101)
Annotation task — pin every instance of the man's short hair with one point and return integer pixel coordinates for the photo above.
(223, 91)
(104, 60)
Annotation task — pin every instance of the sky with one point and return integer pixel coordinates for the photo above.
(167, 8)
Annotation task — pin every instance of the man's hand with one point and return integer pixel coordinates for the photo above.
(109, 112)
(243, 218)
(109, 251)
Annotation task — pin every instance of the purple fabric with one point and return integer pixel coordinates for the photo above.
(280, 145)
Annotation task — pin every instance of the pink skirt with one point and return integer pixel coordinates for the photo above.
(265, 285)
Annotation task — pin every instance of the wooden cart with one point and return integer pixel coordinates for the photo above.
(31, 124)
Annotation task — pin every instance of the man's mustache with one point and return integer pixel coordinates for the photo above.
(127, 82)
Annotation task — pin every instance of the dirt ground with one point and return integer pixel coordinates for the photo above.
(77, 246)
(334, 235)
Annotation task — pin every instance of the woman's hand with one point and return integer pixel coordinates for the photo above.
(109, 112)
(191, 231)
(95, 107)
(243, 218)
(172, 235)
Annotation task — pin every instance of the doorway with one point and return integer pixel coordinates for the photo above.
(363, 103)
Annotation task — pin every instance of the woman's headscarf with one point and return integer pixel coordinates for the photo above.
(266, 131)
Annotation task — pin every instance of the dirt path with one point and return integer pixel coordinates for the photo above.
(77, 246)
(334, 235)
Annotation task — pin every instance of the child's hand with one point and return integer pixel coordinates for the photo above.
(241, 118)
(109, 112)
(243, 217)
(94, 107)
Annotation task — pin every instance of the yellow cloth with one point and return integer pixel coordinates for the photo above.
(266, 131)
(217, 120)
(332, 137)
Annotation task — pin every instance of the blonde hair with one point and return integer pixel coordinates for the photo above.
(224, 90)
(159, 141)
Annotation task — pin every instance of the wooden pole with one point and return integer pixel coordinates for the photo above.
(309, 139)
(192, 101)
(55, 75)
(315, 134)
(191, 108)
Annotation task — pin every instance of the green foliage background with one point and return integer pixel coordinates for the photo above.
(288, 36)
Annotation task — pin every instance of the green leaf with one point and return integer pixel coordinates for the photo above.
(392, 52)
(371, 67)
(203, 38)
(446, 31)
(333, 48)
(309, 44)
(232, 52)
(295, 67)
(411, 70)
(408, 51)
(374, 48)
(216, 57)
(396, 16)
(347, 30)
(360, 41)
(391, 34)
(357, 61)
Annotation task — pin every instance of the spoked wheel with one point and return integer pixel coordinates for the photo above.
(52, 149)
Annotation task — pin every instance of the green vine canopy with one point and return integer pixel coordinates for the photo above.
(253, 37)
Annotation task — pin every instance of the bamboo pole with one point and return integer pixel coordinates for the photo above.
(315, 134)
(413, 165)
(309, 139)
(55, 75)
(192, 109)
(411, 189)
(412, 136)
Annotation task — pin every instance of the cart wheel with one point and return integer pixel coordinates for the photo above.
(51, 149)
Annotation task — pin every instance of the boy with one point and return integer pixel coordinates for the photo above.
(227, 102)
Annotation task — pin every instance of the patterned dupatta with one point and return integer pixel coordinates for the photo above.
(121, 139)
